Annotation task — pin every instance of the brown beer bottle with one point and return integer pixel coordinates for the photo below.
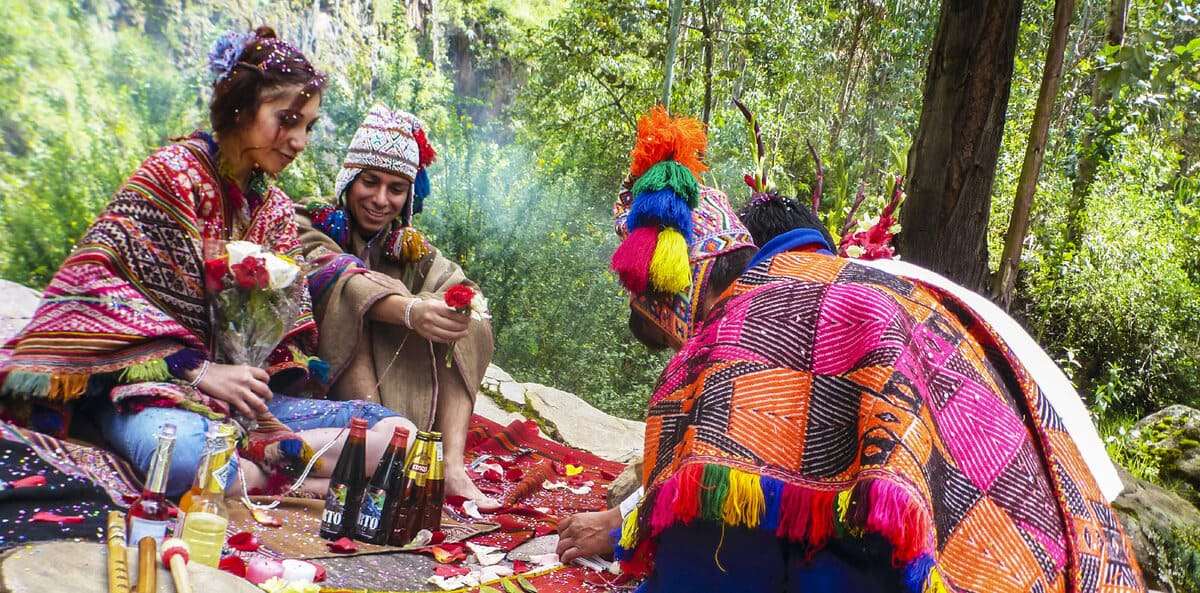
(435, 484)
(409, 515)
(346, 484)
(379, 497)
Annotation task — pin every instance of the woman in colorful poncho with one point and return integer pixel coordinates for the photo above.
(122, 338)
(827, 426)
(378, 291)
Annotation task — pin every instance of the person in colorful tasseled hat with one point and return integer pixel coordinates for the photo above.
(825, 426)
(378, 288)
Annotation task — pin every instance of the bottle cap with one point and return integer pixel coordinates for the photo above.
(357, 422)
(400, 436)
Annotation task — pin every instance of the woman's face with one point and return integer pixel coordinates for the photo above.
(376, 198)
(279, 133)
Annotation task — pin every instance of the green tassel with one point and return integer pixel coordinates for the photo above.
(24, 383)
(716, 489)
(150, 370)
(669, 174)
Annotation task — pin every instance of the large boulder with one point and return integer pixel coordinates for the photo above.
(1165, 531)
(575, 422)
(627, 481)
(17, 304)
(1173, 436)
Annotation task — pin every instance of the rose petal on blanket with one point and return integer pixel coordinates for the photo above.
(265, 519)
(450, 570)
(343, 545)
(28, 482)
(244, 542)
(236, 566)
(48, 517)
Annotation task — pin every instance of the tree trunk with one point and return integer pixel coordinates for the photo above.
(676, 15)
(707, 32)
(1085, 172)
(952, 162)
(848, 81)
(1035, 152)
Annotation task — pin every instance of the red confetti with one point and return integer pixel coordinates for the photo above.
(513, 474)
(450, 570)
(508, 523)
(29, 482)
(236, 566)
(48, 517)
(244, 542)
(344, 545)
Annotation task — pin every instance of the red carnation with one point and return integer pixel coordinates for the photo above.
(251, 273)
(214, 273)
(459, 297)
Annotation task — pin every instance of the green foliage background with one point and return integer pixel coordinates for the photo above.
(532, 104)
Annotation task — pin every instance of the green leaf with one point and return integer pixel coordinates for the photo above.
(525, 584)
(509, 586)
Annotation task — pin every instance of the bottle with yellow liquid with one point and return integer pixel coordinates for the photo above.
(230, 433)
(207, 516)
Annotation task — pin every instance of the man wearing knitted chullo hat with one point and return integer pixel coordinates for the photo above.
(828, 427)
(378, 292)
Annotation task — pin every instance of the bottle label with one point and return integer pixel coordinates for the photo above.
(371, 513)
(225, 474)
(335, 505)
(140, 528)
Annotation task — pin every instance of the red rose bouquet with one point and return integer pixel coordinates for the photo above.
(466, 300)
(254, 296)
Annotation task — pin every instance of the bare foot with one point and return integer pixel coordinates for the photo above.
(458, 483)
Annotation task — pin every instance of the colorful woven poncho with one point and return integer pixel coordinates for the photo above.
(824, 399)
(132, 294)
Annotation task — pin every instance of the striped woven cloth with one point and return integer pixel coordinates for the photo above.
(824, 399)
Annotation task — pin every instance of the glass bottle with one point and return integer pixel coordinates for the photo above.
(149, 514)
(435, 484)
(410, 505)
(206, 521)
(379, 497)
(346, 484)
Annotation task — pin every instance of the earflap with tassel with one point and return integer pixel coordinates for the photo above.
(425, 157)
(666, 167)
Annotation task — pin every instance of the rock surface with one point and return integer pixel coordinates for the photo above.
(17, 304)
(1155, 519)
(627, 481)
(1173, 434)
(580, 425)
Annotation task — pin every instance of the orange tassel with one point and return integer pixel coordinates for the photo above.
(661, 137)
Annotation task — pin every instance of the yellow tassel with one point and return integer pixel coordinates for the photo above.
(935, 584)
(413, 246)
(629, 530)
(67, 387)
(745, 503)
(843, 505)
(669, 269)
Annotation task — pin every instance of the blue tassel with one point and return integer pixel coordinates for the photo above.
(421, 190)
(291, 448)
(916, 572)
(319, 369)
(772, 496)
(661, 207)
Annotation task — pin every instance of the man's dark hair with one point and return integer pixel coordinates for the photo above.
(770, 216)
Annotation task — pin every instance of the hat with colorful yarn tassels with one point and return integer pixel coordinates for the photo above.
(670, 225)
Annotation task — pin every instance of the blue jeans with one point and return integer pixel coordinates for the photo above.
(132, 435)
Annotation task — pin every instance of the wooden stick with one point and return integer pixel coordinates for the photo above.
(175, 554)
(147, 565)
(118, 566)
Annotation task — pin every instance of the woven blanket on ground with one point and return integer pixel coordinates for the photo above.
(132, 293)
(823, 398)
(79, 482)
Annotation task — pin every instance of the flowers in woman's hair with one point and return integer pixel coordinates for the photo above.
(226, 51)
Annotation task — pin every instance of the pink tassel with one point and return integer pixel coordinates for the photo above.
(631, 260)
(664, 514)
(894, 515)
(687, 493)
